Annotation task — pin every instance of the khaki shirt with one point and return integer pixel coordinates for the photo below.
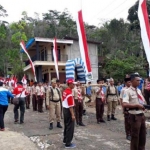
(40, 91)
(130, 96)
(98, 95)
(49, 94)
(75, 92)
(112, 97)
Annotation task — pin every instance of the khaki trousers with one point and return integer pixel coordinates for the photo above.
(54, 109)
(111, 107)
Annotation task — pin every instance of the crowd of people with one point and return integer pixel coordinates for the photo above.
(70, 100)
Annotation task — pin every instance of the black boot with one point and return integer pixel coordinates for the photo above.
(84, 112)
(113, 117)
(59, 125)
(108, 117)
(51, 126)
(81, 124)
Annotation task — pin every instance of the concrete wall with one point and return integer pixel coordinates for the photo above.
(75, 52)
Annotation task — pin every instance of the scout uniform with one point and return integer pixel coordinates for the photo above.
(78, 94)
(40, 94)
(28, 91)
(112, 100)
(53, 101)
(136, 118)
(126, 116)
(100, 102)
(34, 100)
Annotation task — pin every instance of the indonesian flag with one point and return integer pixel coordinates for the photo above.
(14, 81)
(22, 44)
(24, 80)
(55, 56)
(83, 46)
(145, 28)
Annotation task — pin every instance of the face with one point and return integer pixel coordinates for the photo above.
(111, 82)
(54, 84)
(58, 83)
(40, 84)
(136, 82)
(71, 85)
(128, 84)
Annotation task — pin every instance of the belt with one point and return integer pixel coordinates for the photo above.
(55, 101)
(141, 114)
(133, 109)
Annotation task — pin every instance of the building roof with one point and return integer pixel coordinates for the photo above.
(32, 42)
(77, 39)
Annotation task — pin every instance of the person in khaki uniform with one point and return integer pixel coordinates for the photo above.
(134, 100)
(78, 94)
(40, 94)
(53, 99)
(112, 98)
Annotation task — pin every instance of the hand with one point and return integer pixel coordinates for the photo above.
(73, 118)
(141, 107)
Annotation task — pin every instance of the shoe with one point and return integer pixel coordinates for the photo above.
(98, 122)
(84, 112)
(108, 117)
(3, 129)
(71, 146)
(81, 124)
(59, 125)
(21, 122)
(16, 121)
(128, 137)
(51, 126)
(102, 121)
(113, 117)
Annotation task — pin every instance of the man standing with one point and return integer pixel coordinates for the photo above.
(54, 97)
(28, 91)
(134, 100)
(4, 95)
(125, 110)
(20, 93)
(89, 91)
(69, 116)
(40, 94)
(34, 100)
(112, 100)
(100, 101)
(147, 90)
(78, 93)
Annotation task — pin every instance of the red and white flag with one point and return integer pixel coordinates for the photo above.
(83, 46)
(15, 81)
(55, 56)
(145, 28)
(22, 44)
(24, 80)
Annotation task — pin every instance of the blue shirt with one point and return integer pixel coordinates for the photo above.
(119, 88)
(104, 89)
(4, 95)
(88, 90)
(141, 84)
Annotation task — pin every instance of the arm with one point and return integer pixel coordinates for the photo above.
(72, 113)
(9, 94)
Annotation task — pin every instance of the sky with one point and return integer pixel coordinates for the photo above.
(95, 12)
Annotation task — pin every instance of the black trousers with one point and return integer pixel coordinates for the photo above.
(78, 111)
(21, 105)
(40, 103)
(99, 109)
(3, 109)
(34, 102)
(68, 127)
(147, 96)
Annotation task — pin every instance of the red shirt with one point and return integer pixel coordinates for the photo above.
(19, 90)
(68, 100)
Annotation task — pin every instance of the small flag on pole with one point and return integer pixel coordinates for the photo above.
(55, 56)
(22, 44)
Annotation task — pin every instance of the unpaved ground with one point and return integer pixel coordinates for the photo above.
(108, 136)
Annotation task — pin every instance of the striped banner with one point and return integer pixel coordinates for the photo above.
(22, 44)
(145, 28)
(55, 56)
(75, 65)
(83, 46)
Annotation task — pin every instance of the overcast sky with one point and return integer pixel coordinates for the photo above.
(94, 11)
